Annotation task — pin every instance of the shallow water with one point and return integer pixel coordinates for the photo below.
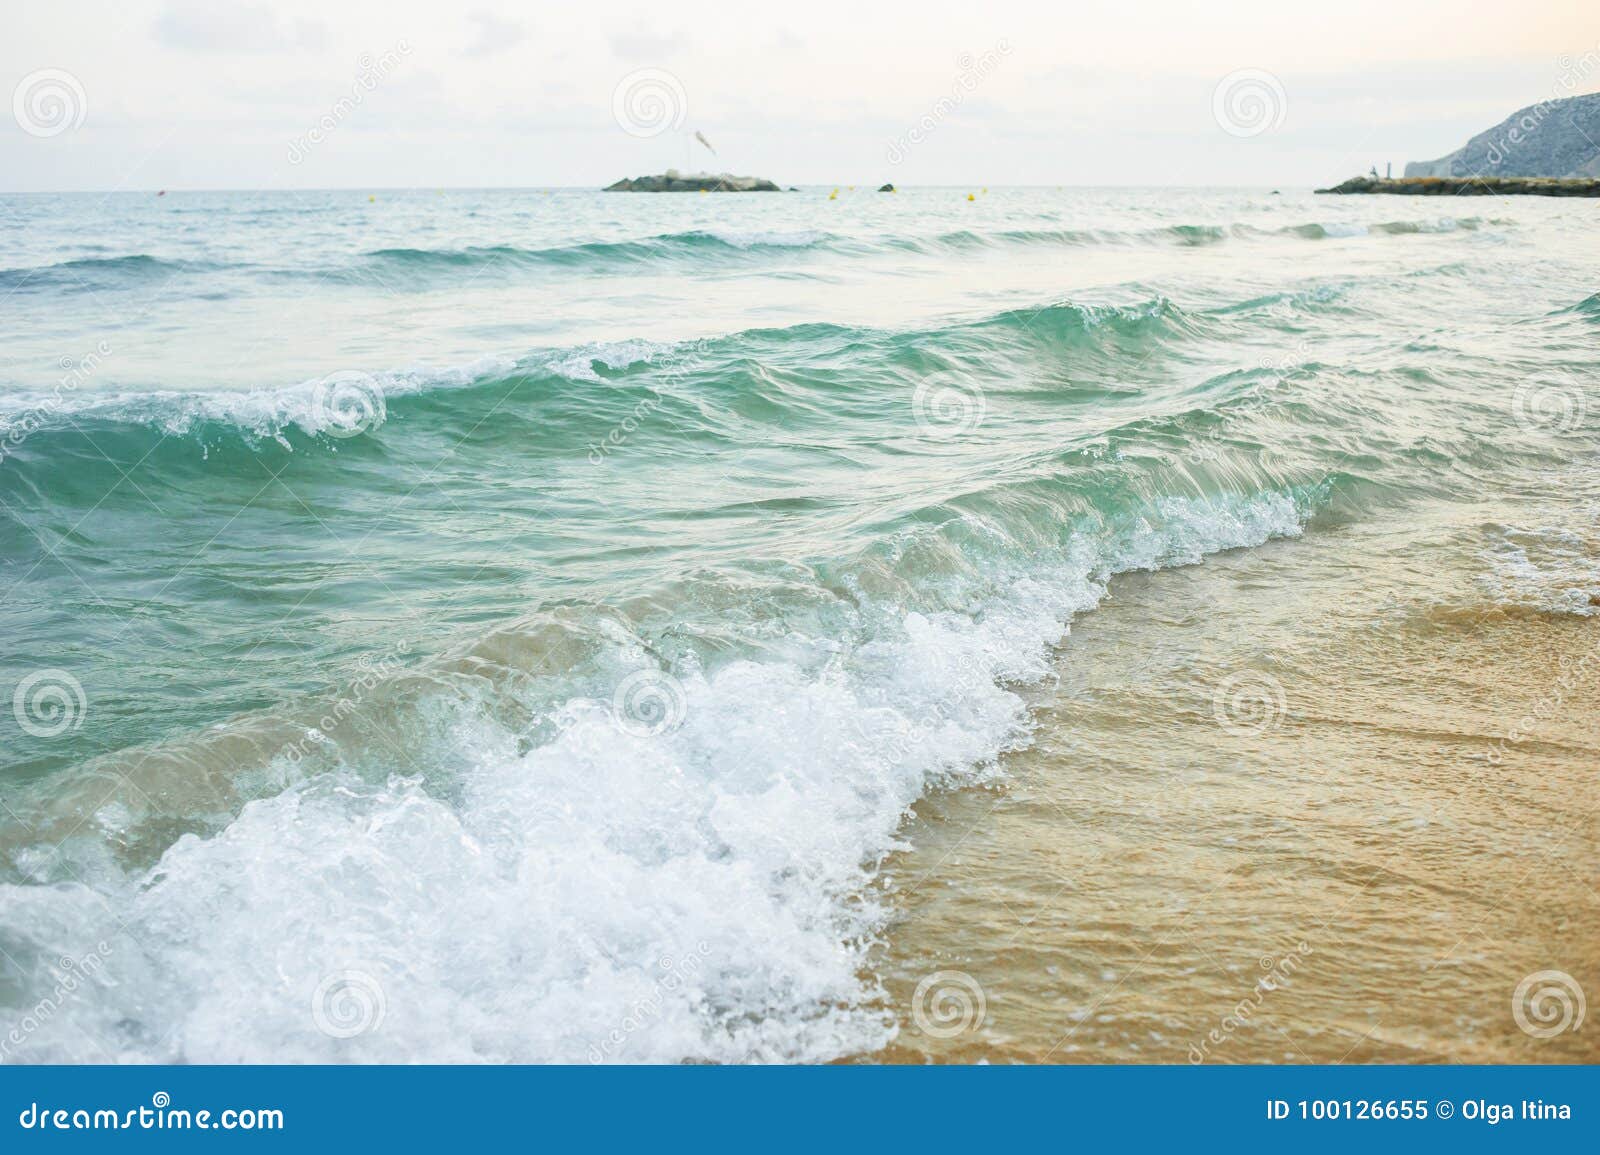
(520, 625)
(1310, 825)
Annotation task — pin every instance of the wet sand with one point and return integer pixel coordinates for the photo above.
(1293, 832)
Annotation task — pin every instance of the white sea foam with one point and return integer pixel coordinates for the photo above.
(699, 886)
(770, 238)
(1550, 569)
(305, 405)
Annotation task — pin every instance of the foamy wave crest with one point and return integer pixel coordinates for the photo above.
(521, 911)
(338, 405)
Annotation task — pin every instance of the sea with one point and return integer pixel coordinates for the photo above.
(1029, 624)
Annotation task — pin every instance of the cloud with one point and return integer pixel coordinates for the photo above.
(494, 34)
(249, 28)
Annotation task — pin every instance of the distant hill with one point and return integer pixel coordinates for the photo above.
(1554, 138)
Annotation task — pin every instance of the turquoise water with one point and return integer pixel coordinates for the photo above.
(540, 603)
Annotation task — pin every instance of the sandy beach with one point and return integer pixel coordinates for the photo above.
(1311, 825)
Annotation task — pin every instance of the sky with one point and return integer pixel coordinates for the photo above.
(177, 94)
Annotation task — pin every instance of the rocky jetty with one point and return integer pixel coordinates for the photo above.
(1502, 186)
(1554, 138)
(674, 181)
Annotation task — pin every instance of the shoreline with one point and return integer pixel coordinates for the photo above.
(1155, 881)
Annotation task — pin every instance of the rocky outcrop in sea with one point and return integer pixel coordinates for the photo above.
(674, 181)
(1471, 186)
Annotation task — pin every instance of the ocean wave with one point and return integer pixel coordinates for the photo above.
(702, 836)
(1326, 230)
(966, 239)
(1103, 331)
(97, 272)
(1588, 307)
(308, 406)
(600, 253)
(133, 269)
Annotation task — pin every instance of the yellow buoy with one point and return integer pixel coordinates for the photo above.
(970, 197)
(834, 195)
(372, 200)
(985, 192)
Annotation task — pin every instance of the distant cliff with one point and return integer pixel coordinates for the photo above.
(1554, 138)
